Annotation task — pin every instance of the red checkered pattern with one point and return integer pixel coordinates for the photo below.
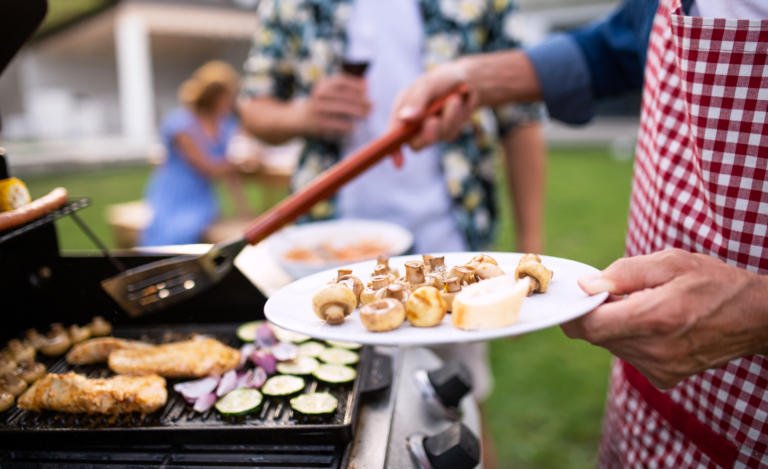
(700, 184)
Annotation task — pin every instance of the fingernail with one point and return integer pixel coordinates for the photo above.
(596, 283)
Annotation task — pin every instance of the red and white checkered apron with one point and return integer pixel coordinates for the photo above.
(700, 184)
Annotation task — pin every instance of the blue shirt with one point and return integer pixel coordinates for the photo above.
(606, 58)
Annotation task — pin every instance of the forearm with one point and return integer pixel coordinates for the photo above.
(271, 120)
(237, 192)
(525, 164)
(500, 77)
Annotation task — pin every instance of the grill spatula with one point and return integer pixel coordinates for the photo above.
(159, 284)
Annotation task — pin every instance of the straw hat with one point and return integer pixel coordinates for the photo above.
(207, 84)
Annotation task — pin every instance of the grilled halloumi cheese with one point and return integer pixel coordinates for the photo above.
(98, 350)
(195, 358)
(74, 393)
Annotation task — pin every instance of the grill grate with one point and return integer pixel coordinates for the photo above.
(177, 422)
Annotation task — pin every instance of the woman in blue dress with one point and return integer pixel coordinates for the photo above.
(181, 192)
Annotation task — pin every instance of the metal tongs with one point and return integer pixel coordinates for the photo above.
(159, 284)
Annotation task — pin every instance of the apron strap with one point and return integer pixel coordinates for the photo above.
(719, 449)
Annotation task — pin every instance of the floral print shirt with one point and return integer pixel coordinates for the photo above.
(301, 41)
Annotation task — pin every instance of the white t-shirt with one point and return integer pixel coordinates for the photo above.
(415, 196)
(734, 9)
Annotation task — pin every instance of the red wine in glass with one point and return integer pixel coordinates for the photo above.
(356, 68)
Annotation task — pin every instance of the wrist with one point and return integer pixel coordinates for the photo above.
(501, 77)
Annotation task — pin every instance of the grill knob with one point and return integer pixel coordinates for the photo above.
(454, 448)
(451, 382)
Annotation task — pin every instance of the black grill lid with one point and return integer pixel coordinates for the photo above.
(18, 20)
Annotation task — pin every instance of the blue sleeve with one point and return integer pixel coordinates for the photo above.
(177, 121)
(603, 59)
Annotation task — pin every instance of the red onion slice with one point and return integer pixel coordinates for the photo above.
(264, 360)
(192, 390)
(245, 352)
(258, 378)
(285, 351)
(228, 383)
(205, 402)
(243, 378)
(265, 336)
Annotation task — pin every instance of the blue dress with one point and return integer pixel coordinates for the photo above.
(182, 199)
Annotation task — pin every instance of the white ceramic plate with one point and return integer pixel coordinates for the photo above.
(338, 233)
(291, 306)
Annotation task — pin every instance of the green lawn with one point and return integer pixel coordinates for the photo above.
(547, 405)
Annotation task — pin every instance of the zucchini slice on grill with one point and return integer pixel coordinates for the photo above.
(339, 356)
(283, 386)
(299, 366)
(335, 374)
(346, 345)
(315, 404)
(310, 349)
(240, 402)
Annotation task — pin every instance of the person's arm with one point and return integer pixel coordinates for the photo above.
(234, 183)
(674, 314)
(525, 162)
(199, 159)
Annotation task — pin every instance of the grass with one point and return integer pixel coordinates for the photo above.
(548, 400)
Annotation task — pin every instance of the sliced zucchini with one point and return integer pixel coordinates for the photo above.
(339, 356)
(283, 386)
(315, 404)
(346, 345)
(240, 402)
(310, 349)
(335, 374)
(284, 335)
(247, 332)
(300, 366)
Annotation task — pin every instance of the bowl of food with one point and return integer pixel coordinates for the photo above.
(309, 248)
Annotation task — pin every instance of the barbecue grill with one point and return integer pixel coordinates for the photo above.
(402, 411)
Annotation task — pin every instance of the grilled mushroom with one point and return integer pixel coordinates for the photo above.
(414, 274)
(464, 273)
(11, 383)
(7, 363)
(334, 302)
(34, 338)
(382, 315)
(486, 270)
(20, 350)
(377, 283)
(79, 334)
(482, 259)
(57, 341)
(353, 283)
(395, 291)
(452, 288)
(100, 327)
(425, 307)
(530, 266)
(30, 371)
(6, 400)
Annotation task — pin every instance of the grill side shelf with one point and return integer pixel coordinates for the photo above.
(177, 422)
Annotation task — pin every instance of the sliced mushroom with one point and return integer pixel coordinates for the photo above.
(452, 288)
(7, 363)
(382, 315)
(425, 307)
(20, 351)
(30, 371)
(79, 334)
(540, 276)
(100, 327)
(334, 302)
(57, 341)
(377, 283)
(486, 270)
(6, 400)
(11, 383)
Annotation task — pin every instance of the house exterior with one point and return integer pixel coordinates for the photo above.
(95, 88)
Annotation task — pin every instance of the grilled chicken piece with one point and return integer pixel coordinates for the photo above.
(98, 350)
(74, 393)
(195, 358)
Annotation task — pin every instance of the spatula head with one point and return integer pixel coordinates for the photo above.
(159, 284)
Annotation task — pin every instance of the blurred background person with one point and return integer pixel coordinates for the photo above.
(330, 71)
(181, 192)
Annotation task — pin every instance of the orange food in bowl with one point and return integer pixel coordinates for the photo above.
(326, 252)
